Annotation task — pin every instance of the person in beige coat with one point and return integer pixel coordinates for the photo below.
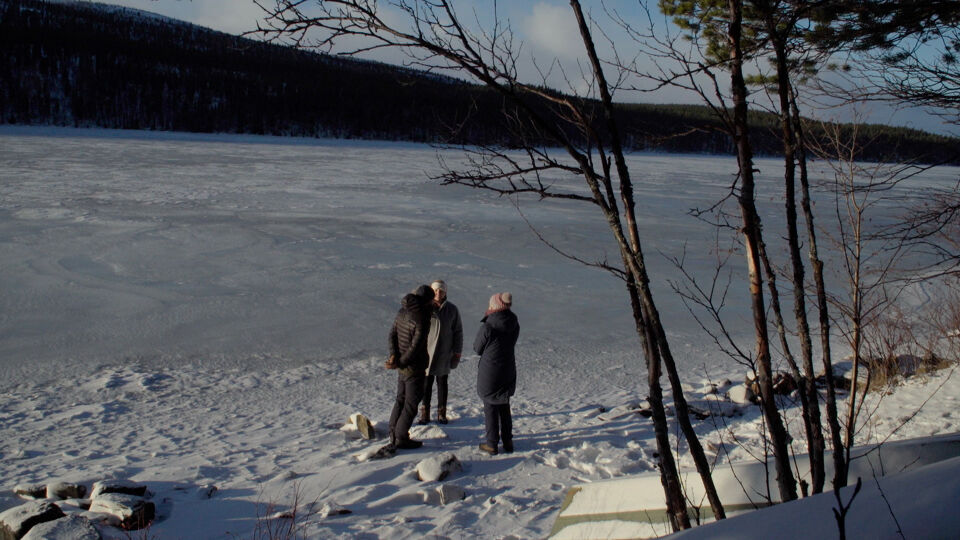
(444, 345)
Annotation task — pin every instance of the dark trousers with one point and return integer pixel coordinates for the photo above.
(441, 391)
(498, 423)
(409, 393)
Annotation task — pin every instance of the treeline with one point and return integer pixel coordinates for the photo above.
(91, 65)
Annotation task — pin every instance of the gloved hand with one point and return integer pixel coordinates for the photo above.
(455, 361)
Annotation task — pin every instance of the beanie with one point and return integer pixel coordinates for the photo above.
(499, 302)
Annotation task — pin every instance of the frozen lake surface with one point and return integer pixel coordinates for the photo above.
(171, 249)
(163, 250)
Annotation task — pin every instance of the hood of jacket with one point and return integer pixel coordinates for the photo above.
(503, 321)
(412, 303)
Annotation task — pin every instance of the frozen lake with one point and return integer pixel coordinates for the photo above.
(231, 251)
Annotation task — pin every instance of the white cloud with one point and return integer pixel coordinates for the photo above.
(552, 29)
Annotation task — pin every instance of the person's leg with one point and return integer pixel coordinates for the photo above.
(397, 408)
(491, 421)
(425, 404)
(413, 393)
(442, 391)
(441, 398)
(506, 427)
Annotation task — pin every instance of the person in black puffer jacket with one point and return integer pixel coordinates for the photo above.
(497, 372)
(408, 354)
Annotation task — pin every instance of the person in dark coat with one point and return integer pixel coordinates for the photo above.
(444, 345)
(497, 372)
(408, 355)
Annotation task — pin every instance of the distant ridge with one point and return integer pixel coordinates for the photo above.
(94, 65)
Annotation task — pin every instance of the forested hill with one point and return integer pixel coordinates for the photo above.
(84, 64)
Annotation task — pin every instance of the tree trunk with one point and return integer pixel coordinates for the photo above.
(669, 475)
(650, 314)
(833, 418)
(808, 391)
(752, 239)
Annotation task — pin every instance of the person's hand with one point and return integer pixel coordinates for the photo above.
(391, 363)
(455, 361)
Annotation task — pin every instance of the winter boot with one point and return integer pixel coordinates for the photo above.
(488, 448)
(424, 416)
(442, 415)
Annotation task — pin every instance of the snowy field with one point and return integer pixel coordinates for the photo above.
(188, 310)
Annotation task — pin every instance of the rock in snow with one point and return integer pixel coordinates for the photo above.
(359, 424)
(31, 491)
(125, 487)
(65, 490)
(741, 394)
(134, 512)
(65, 528)
(437, 468)
(451, 493)
(15, 522)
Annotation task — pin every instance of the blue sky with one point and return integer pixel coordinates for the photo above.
(547, 30)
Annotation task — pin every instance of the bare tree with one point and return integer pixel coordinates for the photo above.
(869, 259)
(725, 42)
(436, 38)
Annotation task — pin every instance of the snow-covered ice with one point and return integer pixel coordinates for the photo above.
(200, 311)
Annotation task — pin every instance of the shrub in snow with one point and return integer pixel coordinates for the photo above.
(15, 522)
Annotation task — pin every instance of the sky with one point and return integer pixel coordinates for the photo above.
(547, 31)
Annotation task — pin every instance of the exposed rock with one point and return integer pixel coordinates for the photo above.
(451, 493)
(783, 383)
(15, 522)
(707, 408)
(742, 394)
(81, 504)
(30, 491)
(360, 425)
(65, 528)
(430, 497)
(332, 509)
(101, 518)
(620, 411)
(125, 487)
(753, 385)
(66, 490)
(437, 468)
(134, 512)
